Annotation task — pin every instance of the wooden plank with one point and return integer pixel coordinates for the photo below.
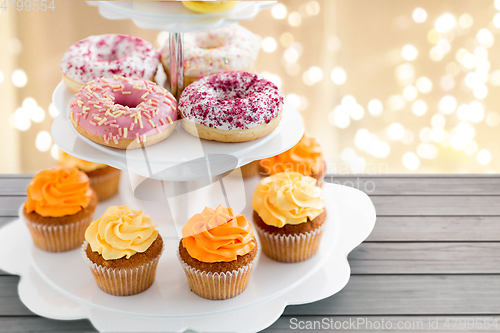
(367, 295)
(10, 304)
(422, 185)
(409, 295)
(436, 228)
(38, 324)
(436, 205)
(9, 206)
(426, 258)
(14, 186)
(410, 324)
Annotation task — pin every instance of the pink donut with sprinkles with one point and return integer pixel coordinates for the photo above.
(123, 113)
(108, 55)
(231, 107)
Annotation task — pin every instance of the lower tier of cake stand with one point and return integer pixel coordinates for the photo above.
(60, 286)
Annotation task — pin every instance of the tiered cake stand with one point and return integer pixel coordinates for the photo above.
(172, 180)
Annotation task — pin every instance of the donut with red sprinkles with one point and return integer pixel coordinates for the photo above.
(231, 107)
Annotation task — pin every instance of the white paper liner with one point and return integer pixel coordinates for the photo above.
(123, 281)
(290, 248)
(105, 185)
(59, 238)
(217, 286)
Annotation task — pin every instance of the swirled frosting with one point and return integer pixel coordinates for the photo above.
(121, 231)
(59, 191)
(305, 157)
(287, 198)
(217, 235)
(85, 166)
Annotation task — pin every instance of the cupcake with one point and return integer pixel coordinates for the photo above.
(103, 178)
(60, 206)
(217, 253)
(289, 216)
(122, 249)
(305, 158)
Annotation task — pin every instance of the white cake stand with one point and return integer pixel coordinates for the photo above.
(60, 286)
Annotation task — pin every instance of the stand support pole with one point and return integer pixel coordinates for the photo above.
(176, 63)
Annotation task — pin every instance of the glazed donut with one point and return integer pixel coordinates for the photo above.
(123, 113)
(108, 55)
(209, 6)
(231, 107)
(231, 48)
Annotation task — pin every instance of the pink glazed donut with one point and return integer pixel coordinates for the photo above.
(123, 113)
(231, 107)
(107, 55)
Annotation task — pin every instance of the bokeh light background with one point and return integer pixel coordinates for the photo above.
(386, 86)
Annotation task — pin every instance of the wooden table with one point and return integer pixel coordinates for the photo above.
(432, 261)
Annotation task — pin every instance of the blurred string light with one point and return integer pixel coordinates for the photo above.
(14, 46)
(333, 43)
(338, 76)
(348, 109)
(312, 8)
(424, 85)
(355, 162)
(483, 156)
(407, 137)
(54, 152)
(295, 19)
(405, 73)
(312, 76)
(493, 119)
(43, 141)
(396, 102)
(269, 44)
(162, 38)
(470, 148)
(410, 93)
(53, 110)
(272, 77)
(473, 112)
(425, 135)
(371, 144)
(465, 21)
(496, 21)
(445, 23)
(19, 78)
(1, 77)
(447, 104)
(419, 15)
(296, 101)
(409, 52)
(279, 11)
(497, 4)
(462, 134)
(427, 151)
(419, 107)
(447, 82)
(286, 39)
(396, 131)
(375, 107)
(411, 161)
(485, 37)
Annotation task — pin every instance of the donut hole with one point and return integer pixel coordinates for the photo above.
(129, 101)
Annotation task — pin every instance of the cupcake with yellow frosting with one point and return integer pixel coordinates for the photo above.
(306, 158)
(209, 6)
(217, 253)
(103, 178)
(122, 249)
(59, 208)
(289, 215)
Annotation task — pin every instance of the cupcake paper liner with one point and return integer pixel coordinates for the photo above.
(123, 281)
(59, 238)
(290, 248)
(105, 185)
(219, 285)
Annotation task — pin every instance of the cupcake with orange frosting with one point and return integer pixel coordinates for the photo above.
(59, 208)
(122, 249)
(217, 253)
(103, 178)
(289, 216)
(305, 157)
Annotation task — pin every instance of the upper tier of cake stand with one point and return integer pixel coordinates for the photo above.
(174, 17)
(179, 157)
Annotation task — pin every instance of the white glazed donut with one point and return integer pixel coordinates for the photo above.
(231, 107)
(231, 48)
(108, 55)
